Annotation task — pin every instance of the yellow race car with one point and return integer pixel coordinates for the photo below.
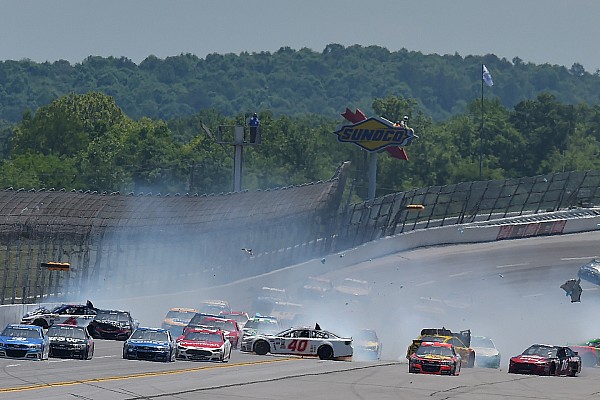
(460, 340)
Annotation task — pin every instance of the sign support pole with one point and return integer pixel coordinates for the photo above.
(372, 175)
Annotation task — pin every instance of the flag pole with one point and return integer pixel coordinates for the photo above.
(481, 129)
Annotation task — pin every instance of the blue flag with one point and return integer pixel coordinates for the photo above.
(487, 77)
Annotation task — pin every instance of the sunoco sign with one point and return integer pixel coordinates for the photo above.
(375, 133)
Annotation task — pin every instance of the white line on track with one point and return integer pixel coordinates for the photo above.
(12, 365)
(511, 265)
(534, 295)
(425, 283)
(106, 356)
(458, 274)
(577, 258)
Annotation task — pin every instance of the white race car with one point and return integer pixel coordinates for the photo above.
(302, 341)
(69, 314)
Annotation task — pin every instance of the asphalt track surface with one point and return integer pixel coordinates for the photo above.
(508, 290)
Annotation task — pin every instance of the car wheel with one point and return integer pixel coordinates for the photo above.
(84, 355)
(471, 362)
(41, 322)
(573, 371)
(325, 352)
(261, 347)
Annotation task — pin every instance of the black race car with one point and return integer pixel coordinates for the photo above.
(112, 324)
(70, 341)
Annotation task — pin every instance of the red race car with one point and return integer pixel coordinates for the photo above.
(229, 327)
(203, 344)
(434, 358)
(543, 359)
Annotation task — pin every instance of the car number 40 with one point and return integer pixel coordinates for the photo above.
(297, 345)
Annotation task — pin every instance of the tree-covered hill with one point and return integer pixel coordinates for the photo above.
(289, 82)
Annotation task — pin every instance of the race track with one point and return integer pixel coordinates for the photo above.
(507, 290)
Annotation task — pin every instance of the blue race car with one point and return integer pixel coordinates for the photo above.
(590, 272)
(24, 341)
(153, 344)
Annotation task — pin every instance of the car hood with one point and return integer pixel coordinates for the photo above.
(203, 344)
(61, 339)
(434, 357)
(485, 351)
(365, 343)
(110, 322)
(37, 311)
(529, 359)
(19, 340)
(149, 343)
(176, 321)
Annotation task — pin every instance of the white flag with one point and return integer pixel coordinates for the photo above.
(487, 77)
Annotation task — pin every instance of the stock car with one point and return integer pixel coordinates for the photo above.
(460, 340)
(351, 288)
(302, 341)
(204, 344)
(590, 272)
(435, 358)
(230, 328)
(315, 288)
(259, 325)
(589, 352)
(112, 324)
(24, 341)
(177, 318)
(196, 321)
(70, 341)
(486, 353)
(241, 317)
(154, 344)
(543, 359)
(367, 345)
(70, 314)
(266, 299)
(214, 306)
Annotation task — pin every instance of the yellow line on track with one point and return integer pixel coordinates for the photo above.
(135, 376)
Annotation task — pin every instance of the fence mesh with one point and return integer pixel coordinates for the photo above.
(141, 243)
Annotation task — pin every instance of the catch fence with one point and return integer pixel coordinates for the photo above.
(163, 243)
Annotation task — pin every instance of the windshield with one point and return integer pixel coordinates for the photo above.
(263, 326)
(542, 351)
(21, 332)
(482, 342)
(367, 335)
(432, 339)
(223, 325)
(184, 315)
(435, 350)
(203, 336)
(112, 316)
(66, 331)
(150, 335)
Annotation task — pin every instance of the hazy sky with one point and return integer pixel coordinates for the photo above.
(539, 31)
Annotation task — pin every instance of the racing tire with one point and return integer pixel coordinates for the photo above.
(325, 352)
(471, 362)
(573, 371)
(228, 357)
(41, 322)
(261, 347)
(84, 356)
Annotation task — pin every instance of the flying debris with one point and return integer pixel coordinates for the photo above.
(322, 261)
(249, 251)
(573, 289)
(501, 276)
